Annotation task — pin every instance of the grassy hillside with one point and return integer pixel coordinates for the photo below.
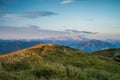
(113, 54)
(53, 62)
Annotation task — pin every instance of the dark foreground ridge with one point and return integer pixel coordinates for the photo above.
(53, 62)
(113, 54)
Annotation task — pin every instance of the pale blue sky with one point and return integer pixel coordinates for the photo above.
(101, 16)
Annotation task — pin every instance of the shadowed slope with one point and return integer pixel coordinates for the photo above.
(110, 53)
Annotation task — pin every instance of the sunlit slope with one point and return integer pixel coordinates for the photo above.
(53, 62)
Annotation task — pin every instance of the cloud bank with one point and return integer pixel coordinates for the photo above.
(35, 32)
(77, 31)
(27, 32)
(32, 14)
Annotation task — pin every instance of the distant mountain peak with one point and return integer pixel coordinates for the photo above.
(68, 37)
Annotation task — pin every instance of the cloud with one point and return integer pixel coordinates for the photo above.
(33, 14)
(27, 32)
(13, 16)
(82, 32)
(71, 1)
(36, 14)
(67, 1)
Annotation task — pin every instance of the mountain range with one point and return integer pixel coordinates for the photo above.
(76, 42)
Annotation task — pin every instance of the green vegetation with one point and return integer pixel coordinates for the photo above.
(52, 62)
(110, 53)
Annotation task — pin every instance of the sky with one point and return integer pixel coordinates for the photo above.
(35, 19)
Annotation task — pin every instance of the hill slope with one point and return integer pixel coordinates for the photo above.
(53, 62)
(110, 53)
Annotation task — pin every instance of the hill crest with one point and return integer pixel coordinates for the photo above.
(44, 47)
